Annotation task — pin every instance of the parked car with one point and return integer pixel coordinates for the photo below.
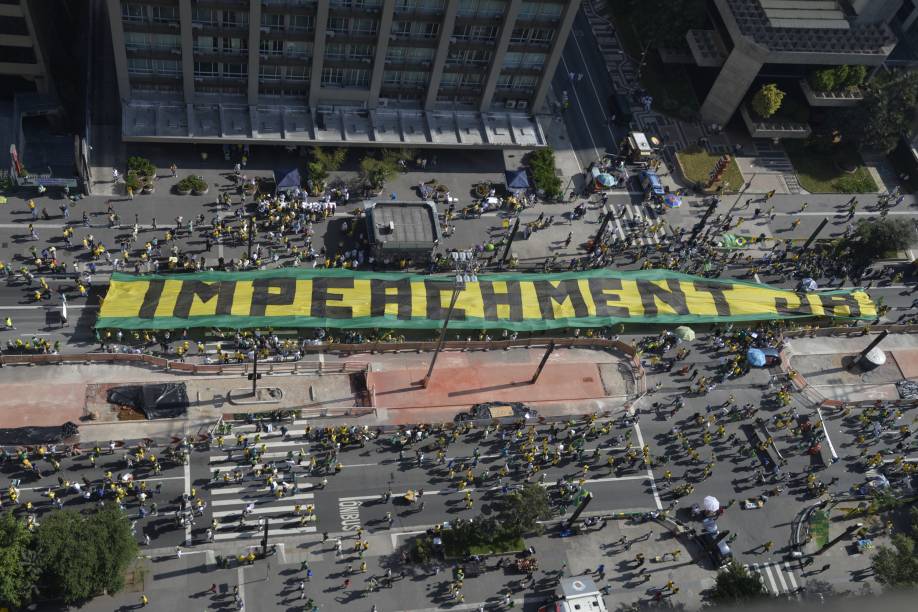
(651, 184)
(716, 548)
(505, 412)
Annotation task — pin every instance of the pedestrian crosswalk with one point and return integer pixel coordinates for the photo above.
(242, 501)
(631, 218)
(777, 576)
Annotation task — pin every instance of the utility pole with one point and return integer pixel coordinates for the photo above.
(548, 352)
(585, 499)
(602, 228)
(809, 241)
(872, 345)
(254, 376)
(516, 227)
(465, 264)
(250, 233)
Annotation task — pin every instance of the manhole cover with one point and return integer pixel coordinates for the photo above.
(588, 379)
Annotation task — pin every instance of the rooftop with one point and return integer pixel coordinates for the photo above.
(414, 225)
(148, 120)
(808, 26)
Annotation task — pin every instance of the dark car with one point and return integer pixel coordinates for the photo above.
(715, 547)
(502, 411)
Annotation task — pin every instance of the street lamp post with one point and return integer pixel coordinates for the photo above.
(602, 228)
(465, 264)
(516, 227)
(250, 233)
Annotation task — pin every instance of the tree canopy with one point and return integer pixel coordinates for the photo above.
(888, 111)
(735, 584)
(82, 555)
(325, 161)
(897, 566)
(767, 100)
(872, 238)
(542, 167)
(17, 575)
(664, 23)
(521, 511)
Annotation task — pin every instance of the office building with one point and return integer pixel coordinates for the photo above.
(411, 72)
(750, 41)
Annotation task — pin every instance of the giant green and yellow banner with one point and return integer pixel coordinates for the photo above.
(345, 299)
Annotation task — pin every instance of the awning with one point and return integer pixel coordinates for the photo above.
(287, 179)
(517, 179)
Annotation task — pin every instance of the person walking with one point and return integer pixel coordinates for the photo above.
(174, 169)
(144, 601)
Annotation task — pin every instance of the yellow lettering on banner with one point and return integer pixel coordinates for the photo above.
(242, 300)
(583, 285)
(503, 310)
(699, 302)
(302, 302)
(470, 301)
(200, 308)
(418, 301)
(631, 298)
(746, 300)
(564, 309)
(166, 305)
(530, 301)
(816, 304)
(868, 308)
(391, 309)
(125, 299)
(356, 298)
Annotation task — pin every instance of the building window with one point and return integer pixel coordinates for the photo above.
(365, 27)
(269, 73)
(297, 73)
(204, 17)
(204, 70)
(428, 30)
(530, 61)
(274, 23)
(137, 41)
(482, 8)
(235, 70)
(540, 11)
(164, 14)
(140, 65)
(337, 25)
(235, 19)
(345, 77)
(297, 49)
(272, 47)
(301, 23)
(481, 33)
(133, 12)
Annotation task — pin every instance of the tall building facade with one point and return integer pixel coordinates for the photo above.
(340, 56)
(22, 61)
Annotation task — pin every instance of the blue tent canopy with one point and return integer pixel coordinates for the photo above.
(517, 179)
(287, 179)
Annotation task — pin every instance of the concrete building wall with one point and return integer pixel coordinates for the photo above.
(500, 53)
(733, 81)
(119, 50)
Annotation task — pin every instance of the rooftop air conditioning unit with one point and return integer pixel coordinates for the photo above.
(522, 104)
(511, 104)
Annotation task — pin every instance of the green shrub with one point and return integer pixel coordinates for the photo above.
(192, 183)
(767, 100)
(141, 166)
(132, 180)
(823, 79)
(544, 175)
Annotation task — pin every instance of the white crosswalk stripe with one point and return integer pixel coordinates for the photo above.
(229, 499)
(778, 577)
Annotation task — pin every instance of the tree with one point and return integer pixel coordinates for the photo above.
(735, 584)
(324, 162)
(520, 511)
(887, 112)
(767, 100)
(871, 239)
(18, 575)
(672, 19)
(544, 175)
(897, 566)
(84, 555)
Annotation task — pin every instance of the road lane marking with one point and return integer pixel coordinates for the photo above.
(188, 494)
(653, 484)
(826, 431)
(264, 510)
